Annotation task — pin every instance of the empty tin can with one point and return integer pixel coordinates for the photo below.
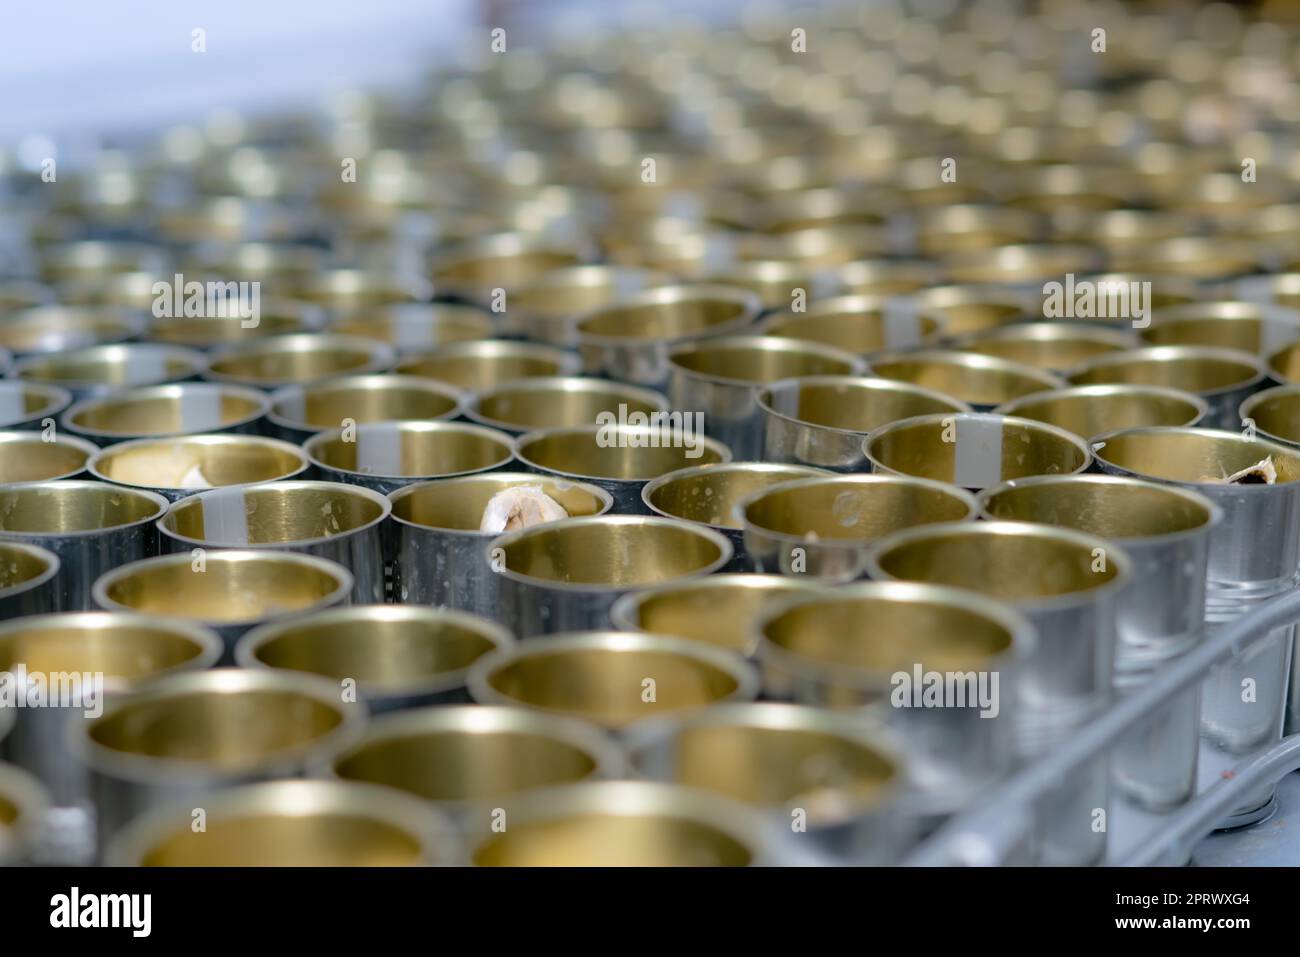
(184, 735)
(631, 340)
(822, 527)
(79, 662)
(483, 363)
(471, 760)
(100, 370)
(975, 450)
(394, 656)
(53, 329)
(290, 824)
(1166, 532)
(716, 378)
(90, 526)
(622, 824)
(546, 309)
(31, 405)
(551, 402)
(165, 411)
(856, 324)
(818, 773)
(1067, 583)
(342, 523)
(1089, 410)
(1222, 377)
(822, 420)
(612, 678)
(415, 327)
(276, 361)
(297, 412)
(711, 495)
(1254, 554)
(982, 381)
(228, 591)
(28, 580)
(859, 647)
(1245, 326)
(565, 576)
(36, 457)
(1052, 346)
(721, 610)
(23, 811)
(385, 456)
(276, 317)
(620, 458)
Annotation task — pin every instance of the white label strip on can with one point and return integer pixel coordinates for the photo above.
(292, 405)
(977, 459)
(1279, 326)
(149, 366)
(225, 516)
(379, 450)
(200, 408)
(413, 333)
(902, 328)
(13, 405)
(1254, 289)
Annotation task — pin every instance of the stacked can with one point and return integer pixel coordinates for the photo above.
(1253, 555)
(1166, 533)
(1069, 586)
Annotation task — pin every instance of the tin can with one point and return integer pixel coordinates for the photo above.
(166, 411)
(28, 580)
(1222, 377)
(612, 678)
(34, 457)
(483, 363)
(342, 523)
(441, 553)
(394, 656)
(297, 412)
(716, 378)
(1090, 410)
(823, 421)
(820, 773)
(227, 591)
(177, 467)
(975, 450)
(565, 576)
(290, 824)
(619, 458)
(385, 456)
(187, 734)
(90, 526)
(470, 760)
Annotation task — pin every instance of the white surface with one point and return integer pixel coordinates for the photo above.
(73, 67)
